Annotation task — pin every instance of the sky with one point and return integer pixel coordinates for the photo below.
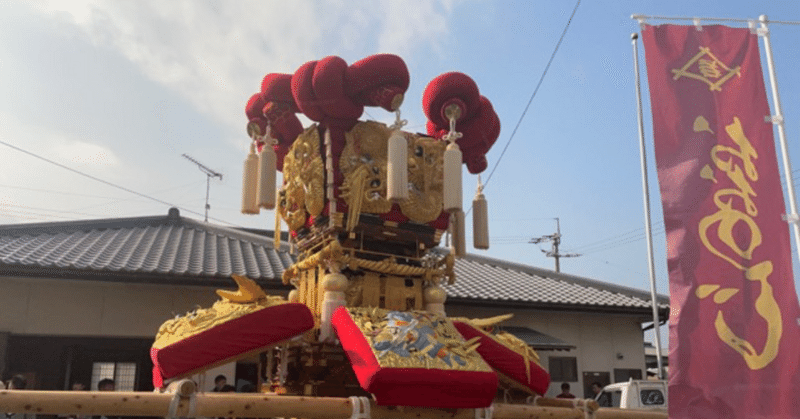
(120, 90)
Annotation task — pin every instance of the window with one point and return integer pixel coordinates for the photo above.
(563, 369)
(123, 374)
(625, 374)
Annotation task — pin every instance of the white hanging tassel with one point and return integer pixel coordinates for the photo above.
(458, 242)
(397, 166)
(452, 164)
(267, 161)
(480, 219)
(452, 178)
(250, 182)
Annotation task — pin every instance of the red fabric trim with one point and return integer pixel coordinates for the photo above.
(230, 339)
(505, 360)
(411, 386)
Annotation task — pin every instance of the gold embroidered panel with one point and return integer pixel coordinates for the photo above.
(303, 191)
(363, 163)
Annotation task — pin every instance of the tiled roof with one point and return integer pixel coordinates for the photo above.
(170, 248)
(489, 280)
(175, 249)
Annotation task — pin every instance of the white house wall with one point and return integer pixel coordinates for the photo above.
(598, 338)
(92, 308)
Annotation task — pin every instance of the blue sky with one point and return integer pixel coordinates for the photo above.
(120, 90)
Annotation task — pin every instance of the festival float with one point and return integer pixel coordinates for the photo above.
(366, 205)
(364, 332)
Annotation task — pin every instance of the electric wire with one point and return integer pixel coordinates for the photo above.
(95, 178)
(533, 95)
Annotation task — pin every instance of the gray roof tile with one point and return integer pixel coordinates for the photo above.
(170, 246)
(480, 278)
(173, 247)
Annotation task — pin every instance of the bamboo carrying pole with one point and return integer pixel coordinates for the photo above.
(260, 405)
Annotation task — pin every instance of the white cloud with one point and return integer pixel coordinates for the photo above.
(214, 54)
(32, 189)
(85, 154)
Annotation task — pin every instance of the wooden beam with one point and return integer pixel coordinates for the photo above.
(267, 405)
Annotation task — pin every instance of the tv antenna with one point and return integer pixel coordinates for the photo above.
(556, 240)
(209, 174)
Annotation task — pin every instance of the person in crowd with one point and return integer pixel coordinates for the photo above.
(565, 394)
(76, 386)
(219, 382)
(17, 382)
(106, 384)
(601, 397)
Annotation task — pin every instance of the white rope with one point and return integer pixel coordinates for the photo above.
(361, 408)
(398, 122)
(173, 406)
(587, 413)
(192, 405)
(485, 413)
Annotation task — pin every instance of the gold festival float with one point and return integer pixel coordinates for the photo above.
(364, 332)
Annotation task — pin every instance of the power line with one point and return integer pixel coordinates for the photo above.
(95, 178)
(48, 210)
(525, 111)
(622, 242)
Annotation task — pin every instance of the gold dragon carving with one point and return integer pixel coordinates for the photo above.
(303, 190)
(249, 298)
(363, 164)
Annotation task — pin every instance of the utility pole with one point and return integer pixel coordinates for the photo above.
(555, 239)
(209, 174)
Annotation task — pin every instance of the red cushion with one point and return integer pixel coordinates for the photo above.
(228, 340)
(437, 386)
(505, 360)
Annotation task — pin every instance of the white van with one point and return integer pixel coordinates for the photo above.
(638, 394)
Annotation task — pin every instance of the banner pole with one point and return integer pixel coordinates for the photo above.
(646, 193)
(777, 119)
